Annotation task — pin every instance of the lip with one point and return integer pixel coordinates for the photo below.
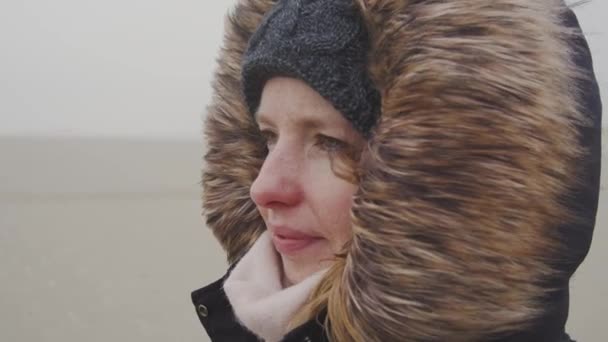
(289, 241)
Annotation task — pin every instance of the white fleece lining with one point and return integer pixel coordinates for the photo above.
(256, 294)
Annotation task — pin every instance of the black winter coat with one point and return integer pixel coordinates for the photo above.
(210, 302)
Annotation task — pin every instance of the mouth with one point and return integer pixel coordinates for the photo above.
(290, 242)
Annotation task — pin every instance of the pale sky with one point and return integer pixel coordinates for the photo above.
(134, 68)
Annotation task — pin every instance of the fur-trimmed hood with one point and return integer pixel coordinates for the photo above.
(478, 186)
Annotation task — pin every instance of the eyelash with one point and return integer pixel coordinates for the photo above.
(332, 144)
(325, 142)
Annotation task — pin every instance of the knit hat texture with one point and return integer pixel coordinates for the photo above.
(321, 42)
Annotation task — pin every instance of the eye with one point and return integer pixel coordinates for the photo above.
(269, 137)
(331, 144)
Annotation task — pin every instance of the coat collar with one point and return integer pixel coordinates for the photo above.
(217, 318)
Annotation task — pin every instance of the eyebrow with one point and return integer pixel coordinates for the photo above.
(310, 123)
(307, 122)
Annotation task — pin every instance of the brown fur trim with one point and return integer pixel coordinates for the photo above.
(455, 218)
(462, 178)
(234, 150)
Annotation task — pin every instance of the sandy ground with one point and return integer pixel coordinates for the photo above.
(103, 241)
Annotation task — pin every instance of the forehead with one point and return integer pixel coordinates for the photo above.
(288, 100)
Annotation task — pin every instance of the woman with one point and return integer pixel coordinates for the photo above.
(389, 170)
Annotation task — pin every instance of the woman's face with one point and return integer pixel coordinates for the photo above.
(305, 205)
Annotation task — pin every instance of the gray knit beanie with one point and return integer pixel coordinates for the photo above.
(321, 42)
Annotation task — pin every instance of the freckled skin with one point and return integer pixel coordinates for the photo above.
(296, 186)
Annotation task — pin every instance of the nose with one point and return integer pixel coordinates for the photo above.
(278, 185)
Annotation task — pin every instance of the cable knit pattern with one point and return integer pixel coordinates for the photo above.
(321, 42)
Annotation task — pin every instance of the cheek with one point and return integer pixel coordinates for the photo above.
(332, 203)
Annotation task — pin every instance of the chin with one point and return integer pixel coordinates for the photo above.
(309, 261)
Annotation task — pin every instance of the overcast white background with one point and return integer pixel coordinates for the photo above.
(107, 68)
(101, 107)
